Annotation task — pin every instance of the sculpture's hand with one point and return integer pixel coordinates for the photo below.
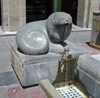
(56, 48)
(66, 48)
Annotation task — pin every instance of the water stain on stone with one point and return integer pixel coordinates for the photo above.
(65, 69)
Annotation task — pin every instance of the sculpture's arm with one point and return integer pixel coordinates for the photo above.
(56, 48)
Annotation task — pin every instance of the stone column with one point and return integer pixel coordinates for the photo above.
(16, 14)
(4, 15)
(94, 6)
(82, 13)
(23, 12)
(95, 35)
(13, 14)
(85, 12)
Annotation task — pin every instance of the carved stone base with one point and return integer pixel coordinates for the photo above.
(30, 69)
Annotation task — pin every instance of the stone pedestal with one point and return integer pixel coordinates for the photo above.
(31, 69)
(95, 35)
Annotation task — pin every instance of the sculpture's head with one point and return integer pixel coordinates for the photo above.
(59, 26)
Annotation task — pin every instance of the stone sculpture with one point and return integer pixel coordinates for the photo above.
(45, 36)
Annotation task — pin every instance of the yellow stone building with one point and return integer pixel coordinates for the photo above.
(15, 13)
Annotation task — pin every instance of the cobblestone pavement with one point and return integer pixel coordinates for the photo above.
(9, 84)
(16, 91)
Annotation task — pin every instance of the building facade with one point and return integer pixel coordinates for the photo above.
(85, 12)
(15, 13)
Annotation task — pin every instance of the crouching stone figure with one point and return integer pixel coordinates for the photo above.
(45, 36)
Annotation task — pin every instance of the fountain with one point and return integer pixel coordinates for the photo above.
(41, 51)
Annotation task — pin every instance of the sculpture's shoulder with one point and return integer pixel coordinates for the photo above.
(31, 38)
(36, 25)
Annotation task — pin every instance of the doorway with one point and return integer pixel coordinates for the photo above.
(38, 10)
(71, 8)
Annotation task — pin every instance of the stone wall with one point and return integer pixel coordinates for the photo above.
(4, 14)
(94, 6)
(95, 35)
(82, 12)
(85, 12)
(13, 14)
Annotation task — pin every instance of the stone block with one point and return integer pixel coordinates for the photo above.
(97, 90)
(90, 66)
(31, 69)
(87, 72)
(87, 81)
(49, 90)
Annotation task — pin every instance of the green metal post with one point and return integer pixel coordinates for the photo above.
(59, 4)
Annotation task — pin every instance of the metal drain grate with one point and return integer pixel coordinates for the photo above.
(70, 92)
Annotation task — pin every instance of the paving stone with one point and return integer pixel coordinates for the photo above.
(5, 63)
(35, 91)
(27, 94)
(8, 78)
(18, 92)
(3, 92)
(2, 40)
(4, 49)
(5, 59)
(5, 68)
(79, 37)
(93, 51)
(39, 96)
(21, 94)
(9, 40)
(14, 89)
(12, 95)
